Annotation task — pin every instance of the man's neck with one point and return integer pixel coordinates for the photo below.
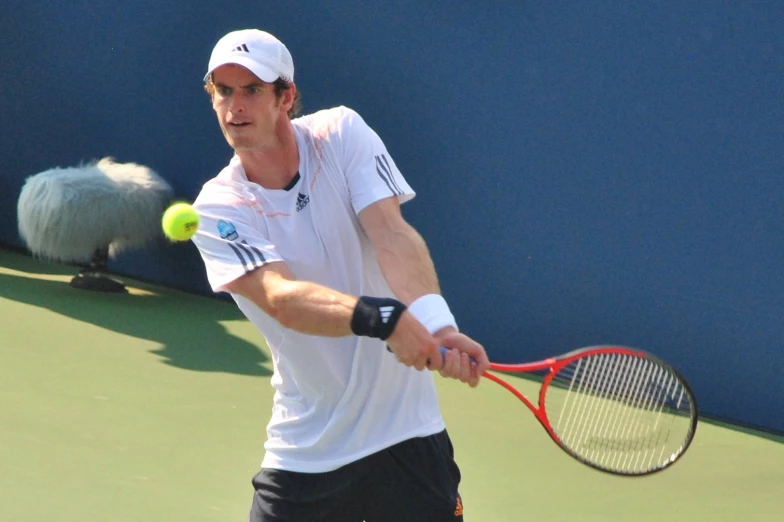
(273, 167)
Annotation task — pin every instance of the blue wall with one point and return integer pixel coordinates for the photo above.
(589, 172)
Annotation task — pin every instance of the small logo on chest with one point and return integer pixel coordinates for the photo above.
(227, 230)
(302, 201)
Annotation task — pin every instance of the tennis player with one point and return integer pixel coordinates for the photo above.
(303, 228)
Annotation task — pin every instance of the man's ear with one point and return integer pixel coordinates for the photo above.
(287, 100)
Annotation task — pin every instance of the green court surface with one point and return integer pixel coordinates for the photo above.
(151, 406)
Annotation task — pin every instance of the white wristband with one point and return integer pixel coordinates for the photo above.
(432, 311)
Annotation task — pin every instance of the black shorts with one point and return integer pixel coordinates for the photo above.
(413, 481)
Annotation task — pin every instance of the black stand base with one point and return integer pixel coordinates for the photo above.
(91, 278)
(96, 282)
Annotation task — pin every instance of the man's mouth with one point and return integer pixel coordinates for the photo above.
(239, 123)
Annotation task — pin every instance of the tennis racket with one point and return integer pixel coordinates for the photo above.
(616, 409)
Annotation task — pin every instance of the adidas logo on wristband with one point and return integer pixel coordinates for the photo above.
(376, 316)
(386, 313)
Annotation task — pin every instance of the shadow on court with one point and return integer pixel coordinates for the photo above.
(190, 333)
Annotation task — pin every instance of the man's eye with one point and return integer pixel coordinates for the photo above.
(224, 91)
(254, 89)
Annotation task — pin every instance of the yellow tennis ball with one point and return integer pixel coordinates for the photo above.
(180, 222)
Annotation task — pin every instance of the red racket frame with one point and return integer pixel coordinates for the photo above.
(554, 365)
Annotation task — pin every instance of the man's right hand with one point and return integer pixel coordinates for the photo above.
(413, 345)
(465, 359)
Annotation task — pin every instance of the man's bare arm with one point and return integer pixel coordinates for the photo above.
(298, 305)
(408, 268)
(318, 310)
(400, 250)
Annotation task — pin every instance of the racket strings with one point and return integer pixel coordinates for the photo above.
(620, 412)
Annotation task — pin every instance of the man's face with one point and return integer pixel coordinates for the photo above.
(247, 109)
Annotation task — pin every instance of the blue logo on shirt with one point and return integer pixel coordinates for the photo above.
(227, 230)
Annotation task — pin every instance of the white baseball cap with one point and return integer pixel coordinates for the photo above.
(258, 51)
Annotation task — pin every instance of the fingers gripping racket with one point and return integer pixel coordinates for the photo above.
(616, 409)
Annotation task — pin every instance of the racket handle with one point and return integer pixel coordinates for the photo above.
(441, 349)
(445, 351)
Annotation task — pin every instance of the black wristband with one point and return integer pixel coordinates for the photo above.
(376, 316)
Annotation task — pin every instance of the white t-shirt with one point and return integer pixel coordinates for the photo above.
(336, 399)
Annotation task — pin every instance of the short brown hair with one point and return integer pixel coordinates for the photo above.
(280, 85)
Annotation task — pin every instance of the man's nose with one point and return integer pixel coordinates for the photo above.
(236, 104)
